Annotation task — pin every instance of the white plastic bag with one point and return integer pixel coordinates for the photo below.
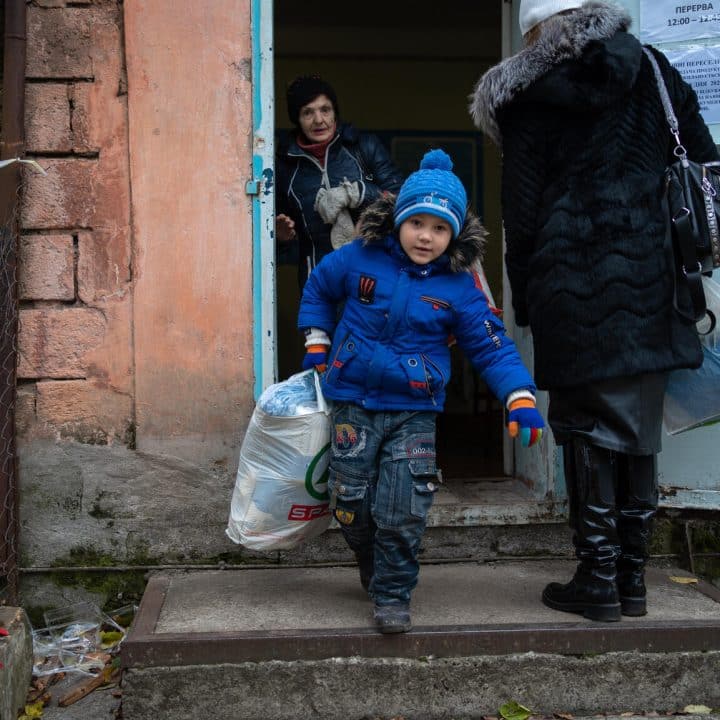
(280, 498)
(693, 396)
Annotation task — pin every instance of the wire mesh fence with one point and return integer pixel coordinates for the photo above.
(9, 565)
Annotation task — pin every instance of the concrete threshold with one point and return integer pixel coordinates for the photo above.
(458, 609)
(290, 643)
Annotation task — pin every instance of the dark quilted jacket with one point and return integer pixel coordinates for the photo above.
(352, 155)
(585, 143)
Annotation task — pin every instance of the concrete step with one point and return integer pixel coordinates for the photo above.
(299, 643)
(16, 660)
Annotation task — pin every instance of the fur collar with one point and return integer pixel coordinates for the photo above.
(564, 37)
(377, 222)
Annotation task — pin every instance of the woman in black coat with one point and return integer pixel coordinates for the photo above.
(585, 141)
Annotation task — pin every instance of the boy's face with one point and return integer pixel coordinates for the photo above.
(317, 119)
(425, 237)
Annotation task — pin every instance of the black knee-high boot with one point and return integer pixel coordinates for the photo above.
(637, 501)
(593, 591)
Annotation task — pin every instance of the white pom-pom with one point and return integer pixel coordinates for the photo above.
(436, 160)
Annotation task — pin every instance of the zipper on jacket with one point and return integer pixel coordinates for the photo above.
(435, 301)
(427, 362)
(337, 352)
(361, 171)
(325, 181)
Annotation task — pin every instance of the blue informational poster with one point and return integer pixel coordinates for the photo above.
(700, 67)
(668, 21)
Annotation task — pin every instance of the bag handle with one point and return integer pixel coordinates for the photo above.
(670, 116)
(321, 401)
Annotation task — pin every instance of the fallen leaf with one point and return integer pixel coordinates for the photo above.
(563, 716)
(697, 710)
(514, 711)
(683, 580)
(34, 710)
(110, 638)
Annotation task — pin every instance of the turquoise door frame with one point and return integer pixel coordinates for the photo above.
(262, 188)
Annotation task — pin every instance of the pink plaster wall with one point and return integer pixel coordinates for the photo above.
(75, 358)
(190, 122)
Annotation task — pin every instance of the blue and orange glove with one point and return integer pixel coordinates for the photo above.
(317, 344)
(525, 421)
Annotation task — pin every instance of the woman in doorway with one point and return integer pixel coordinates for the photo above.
(327, 173)
(585, 141)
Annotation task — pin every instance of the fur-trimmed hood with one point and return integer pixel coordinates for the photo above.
(377, 222)
(563, 38)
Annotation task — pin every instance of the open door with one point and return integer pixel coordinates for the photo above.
(407, 79)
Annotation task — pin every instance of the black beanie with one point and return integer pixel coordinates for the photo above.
(303, 90)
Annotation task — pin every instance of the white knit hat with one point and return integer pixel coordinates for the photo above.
(533, 12)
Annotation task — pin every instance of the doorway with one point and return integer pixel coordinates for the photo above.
(406, 76)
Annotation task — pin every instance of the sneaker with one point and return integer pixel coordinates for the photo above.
(393, 618)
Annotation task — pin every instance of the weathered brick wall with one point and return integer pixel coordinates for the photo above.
(135, 356)
(75, 360)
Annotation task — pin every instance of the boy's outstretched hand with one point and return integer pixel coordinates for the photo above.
(524, 420)
(315, 357)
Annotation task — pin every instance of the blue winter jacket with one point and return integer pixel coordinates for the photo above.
(390, 347)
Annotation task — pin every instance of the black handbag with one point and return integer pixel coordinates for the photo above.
(693, 207)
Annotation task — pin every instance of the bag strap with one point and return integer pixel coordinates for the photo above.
(321, 401)
(682, 220)
(691, 268)
(670, 115)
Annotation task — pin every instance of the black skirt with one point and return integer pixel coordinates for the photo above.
(623, 414)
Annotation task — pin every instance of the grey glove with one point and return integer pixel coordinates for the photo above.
(329, 202)
(343, 230)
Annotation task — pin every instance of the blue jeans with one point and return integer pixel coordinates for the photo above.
(382, 481)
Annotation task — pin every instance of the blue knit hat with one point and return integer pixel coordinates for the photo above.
(433, 189)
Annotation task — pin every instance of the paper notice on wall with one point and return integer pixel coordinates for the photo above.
(666, 21)
(700, 67)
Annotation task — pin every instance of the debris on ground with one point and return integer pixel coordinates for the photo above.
(79, 642)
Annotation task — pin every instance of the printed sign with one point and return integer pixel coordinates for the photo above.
(700, 67)
(665, 21)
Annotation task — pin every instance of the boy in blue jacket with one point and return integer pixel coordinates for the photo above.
(405, 286)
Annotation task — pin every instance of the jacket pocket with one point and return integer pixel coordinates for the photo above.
(422, 377)
(345, 367)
